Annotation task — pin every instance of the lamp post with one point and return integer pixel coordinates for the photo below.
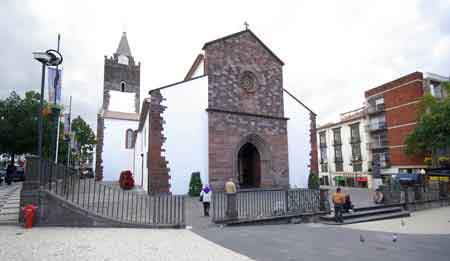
(47, 58)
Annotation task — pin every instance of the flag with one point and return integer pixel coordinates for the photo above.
(54, 85)
(67, 126)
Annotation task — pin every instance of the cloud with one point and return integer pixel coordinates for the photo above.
(333, 50)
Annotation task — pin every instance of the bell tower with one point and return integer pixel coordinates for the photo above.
(121, 74)
(121, 102)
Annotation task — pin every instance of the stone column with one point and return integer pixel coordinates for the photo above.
(31, 187)
(324, 200)
(231, 213)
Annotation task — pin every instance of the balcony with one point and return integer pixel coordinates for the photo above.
(356, 158)
(372, 108)
(322, 145)
(323, 161)
(355, 139)
(376, 126)
(380, 144)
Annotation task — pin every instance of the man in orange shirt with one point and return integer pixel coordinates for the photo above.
(338, 201)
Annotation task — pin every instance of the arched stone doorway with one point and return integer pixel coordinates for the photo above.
(249, 166)
(254, 153)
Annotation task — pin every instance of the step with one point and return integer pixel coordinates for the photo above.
(370, 218)
(359, 214)
(381, 206)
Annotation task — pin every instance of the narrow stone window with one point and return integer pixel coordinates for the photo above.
(129, 139)
(122, 86)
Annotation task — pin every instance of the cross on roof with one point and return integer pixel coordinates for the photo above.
(246, 25)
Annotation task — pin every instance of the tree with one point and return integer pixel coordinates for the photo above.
(18, 124)
(432, 131)
(195, 184)
(19, 133)
(85, 138)
(313, 181)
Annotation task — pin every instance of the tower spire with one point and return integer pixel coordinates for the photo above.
(124, 47)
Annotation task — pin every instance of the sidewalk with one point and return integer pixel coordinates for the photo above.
(9, 203)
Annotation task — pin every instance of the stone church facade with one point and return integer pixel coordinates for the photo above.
(230, 117)
(246, 113)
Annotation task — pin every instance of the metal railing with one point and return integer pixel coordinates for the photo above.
(380, 144)
(260, 203)
(109, 200)
(376, 126)
(375, 108)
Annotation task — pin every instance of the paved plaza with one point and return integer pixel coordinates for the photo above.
(424, 236)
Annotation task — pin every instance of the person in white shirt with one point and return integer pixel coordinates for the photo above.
(205, 197)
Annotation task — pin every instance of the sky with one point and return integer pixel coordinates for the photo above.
(333, 50)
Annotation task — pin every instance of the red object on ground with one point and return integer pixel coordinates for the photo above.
(126, 180)
(28, 214)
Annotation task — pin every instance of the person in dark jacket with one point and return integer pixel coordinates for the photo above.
(348, 204)
(10, 172)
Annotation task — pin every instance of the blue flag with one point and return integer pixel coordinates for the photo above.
(54, 85)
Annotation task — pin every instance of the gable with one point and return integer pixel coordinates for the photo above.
(237, 35)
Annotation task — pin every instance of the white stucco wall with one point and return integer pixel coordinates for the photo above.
(140, 157)
(115, 156)
(298, 141)
(186, 130)
(122, 101)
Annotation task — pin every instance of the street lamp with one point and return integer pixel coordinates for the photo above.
(47, 58)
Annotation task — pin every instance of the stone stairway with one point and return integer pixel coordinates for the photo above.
(9, 204)
(367, 214)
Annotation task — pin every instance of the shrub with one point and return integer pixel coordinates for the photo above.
(195, 185)
(313, 181)
(126, 180)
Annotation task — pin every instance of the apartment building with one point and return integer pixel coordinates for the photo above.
(392, 113)
(343, 153)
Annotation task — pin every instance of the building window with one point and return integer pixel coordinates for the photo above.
(322, 140)
(323, 167)
(357, 167)
(356, 152)
(323, 156)
(338, 154)
(354, 133)
(248, 81)
(339, 167)
(129, 139)
(122, 86)
(337, 136)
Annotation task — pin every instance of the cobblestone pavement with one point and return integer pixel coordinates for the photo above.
(53, 243)
(321, 242)
(431, 221)
(9, 203)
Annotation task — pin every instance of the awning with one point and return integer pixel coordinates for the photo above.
(407, 177)
(338, 178)
(361, 179)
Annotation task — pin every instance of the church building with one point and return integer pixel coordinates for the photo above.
(230, 117)
(119, 113)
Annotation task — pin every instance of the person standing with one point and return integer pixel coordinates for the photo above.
(230, 187)
(338, 201)
(10, 173)
(205, 197)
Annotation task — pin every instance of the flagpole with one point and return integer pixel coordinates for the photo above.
(70, 130)
(57, 139)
